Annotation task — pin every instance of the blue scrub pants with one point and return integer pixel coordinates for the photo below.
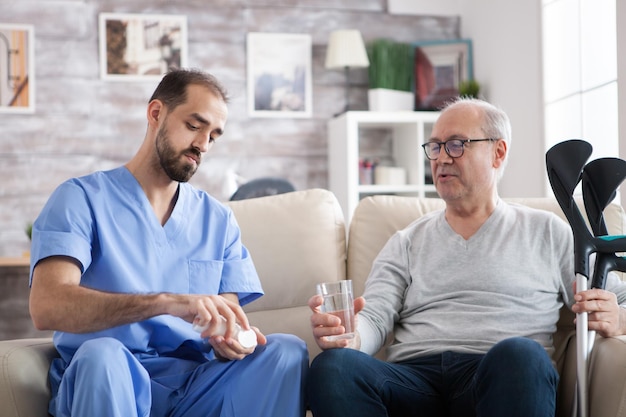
(515, 378)
(105, 379)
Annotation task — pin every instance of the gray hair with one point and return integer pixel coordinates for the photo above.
(496, 123)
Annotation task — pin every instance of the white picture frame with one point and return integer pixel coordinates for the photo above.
(141, 46)
(17, 68)
(279, 75)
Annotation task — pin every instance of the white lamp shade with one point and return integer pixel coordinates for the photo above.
(346, 49)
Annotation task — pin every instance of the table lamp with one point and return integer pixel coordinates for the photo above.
(346, 50)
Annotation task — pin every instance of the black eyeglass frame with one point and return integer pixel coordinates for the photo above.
(445, 146)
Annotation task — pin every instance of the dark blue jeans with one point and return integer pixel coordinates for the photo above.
(515, 378)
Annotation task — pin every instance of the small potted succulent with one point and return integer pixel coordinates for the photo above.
(29, 230)
(469, 88)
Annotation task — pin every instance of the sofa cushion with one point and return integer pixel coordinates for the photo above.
(375, 219)
(24, 365)
(296, 240)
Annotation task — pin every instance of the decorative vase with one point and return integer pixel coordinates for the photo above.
(383, 99)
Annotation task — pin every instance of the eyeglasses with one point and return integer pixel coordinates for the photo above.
(454, 147)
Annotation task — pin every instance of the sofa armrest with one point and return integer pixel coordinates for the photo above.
(607, 377)
(24, 388)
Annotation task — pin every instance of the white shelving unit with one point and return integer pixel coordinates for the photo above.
(409, 131)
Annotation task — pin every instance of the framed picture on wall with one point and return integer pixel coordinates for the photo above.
(140, 46)
(279, 75)
(17, 75)
(440, 66)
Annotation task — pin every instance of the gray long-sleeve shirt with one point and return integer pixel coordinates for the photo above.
(439, 292)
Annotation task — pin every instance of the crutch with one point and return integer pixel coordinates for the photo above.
(600, 180)
(565, 163)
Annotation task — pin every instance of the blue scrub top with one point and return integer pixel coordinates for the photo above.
(105, 222)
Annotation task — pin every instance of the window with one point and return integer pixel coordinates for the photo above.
(580, 73)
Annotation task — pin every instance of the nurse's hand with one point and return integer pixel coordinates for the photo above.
(208, 309)
(229, 349)
(210, 312)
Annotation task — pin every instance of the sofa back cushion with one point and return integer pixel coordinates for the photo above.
(374, 221)
(296, 240)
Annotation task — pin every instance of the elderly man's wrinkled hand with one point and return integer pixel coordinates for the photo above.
(324, 325)
(604, 314)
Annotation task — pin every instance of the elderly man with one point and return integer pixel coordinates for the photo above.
(472, 294)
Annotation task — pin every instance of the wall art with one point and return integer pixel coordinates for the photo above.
(17, 75)
(279, 75)
(139, 46)
(440, 66)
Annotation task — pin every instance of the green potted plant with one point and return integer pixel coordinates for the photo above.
(29, 230)
(390, 75)
(469, 88)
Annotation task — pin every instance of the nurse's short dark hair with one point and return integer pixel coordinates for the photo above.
(172, 90)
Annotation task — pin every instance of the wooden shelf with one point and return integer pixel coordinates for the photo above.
(7, 262)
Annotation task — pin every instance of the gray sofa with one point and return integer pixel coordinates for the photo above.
(299, 239)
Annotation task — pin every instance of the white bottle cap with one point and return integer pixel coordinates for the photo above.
(247, 338)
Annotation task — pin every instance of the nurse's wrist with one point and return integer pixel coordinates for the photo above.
(166, 303)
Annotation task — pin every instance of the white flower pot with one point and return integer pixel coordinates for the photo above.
(383, 99)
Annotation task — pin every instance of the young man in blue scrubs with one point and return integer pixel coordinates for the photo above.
(124, 261)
